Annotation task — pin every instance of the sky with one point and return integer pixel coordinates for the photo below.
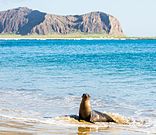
(137, 17)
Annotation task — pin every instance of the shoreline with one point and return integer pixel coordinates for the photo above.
(62, 38)
(72, 37)
(43, 38)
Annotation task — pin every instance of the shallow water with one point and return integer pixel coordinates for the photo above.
(44, 79)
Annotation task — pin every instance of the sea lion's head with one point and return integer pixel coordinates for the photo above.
(85, 96)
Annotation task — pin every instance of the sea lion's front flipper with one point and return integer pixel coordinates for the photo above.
(100, 117)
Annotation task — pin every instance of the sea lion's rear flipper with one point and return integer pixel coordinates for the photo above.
(100, 117)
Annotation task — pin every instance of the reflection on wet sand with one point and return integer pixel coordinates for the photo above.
(88, 130)
(84, 130)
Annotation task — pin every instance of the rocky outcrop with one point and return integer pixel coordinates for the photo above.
(26, 21)
(115, 26)
(20, 20)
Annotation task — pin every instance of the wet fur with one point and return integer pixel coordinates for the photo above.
(100, 117)
(85, 108)
(86, 113)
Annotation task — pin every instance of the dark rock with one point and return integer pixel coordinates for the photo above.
(34, 18)
(20, 20)
(26, 21)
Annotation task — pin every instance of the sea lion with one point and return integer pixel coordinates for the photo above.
(86, 113)
(85, 108)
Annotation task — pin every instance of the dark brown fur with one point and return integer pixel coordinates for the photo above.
(86, 113)
(85, 108)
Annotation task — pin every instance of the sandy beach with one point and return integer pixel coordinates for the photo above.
(62, 126)
(14, 128)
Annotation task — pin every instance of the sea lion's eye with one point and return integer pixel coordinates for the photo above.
(83, 95)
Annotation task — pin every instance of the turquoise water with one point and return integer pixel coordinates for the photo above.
(46, 78)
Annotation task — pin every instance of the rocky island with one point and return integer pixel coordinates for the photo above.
(25, 21)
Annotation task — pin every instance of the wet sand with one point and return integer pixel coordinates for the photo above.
(61, 125)
(10, 127)
(15, 128)
(14, 133)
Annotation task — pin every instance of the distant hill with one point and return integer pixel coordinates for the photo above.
(26, 21)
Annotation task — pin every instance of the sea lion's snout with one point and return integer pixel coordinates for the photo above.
(85, 96)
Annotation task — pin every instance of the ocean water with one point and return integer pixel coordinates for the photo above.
(41, 80)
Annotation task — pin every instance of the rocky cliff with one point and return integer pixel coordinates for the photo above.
(25, 21)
